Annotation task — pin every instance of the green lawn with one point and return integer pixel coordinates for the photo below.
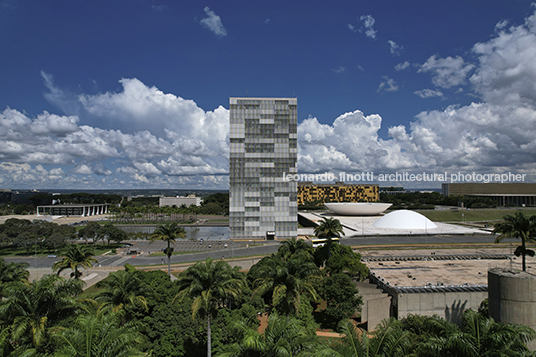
(474, 215)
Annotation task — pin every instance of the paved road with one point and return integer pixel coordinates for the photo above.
(230, 252)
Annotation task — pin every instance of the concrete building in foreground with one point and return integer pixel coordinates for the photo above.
(513, 193)
(262, 151)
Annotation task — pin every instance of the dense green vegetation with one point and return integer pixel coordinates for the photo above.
(25, 237)
(213, 309)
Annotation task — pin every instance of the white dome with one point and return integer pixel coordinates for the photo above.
(357, 208)
(404, 219)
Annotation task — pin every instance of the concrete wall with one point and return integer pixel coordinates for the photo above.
(449, 305)
(512, 297)
(376, 304)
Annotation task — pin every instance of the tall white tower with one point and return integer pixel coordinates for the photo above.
(263, 149)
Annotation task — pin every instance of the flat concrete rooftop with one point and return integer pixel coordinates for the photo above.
(363, 226)
(440, 267)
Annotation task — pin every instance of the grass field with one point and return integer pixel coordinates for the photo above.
(474, 215)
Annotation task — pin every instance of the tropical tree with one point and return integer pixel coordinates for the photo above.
(77, 256)
(329, 228)
(122, 290)
(283, 337)
(168, 232)
(518, 226)
(390, 339)
(12, 272)
(211, 284)
(478, 336)
(100, 334)
(293, 246)
(283, 281)
(29, 309)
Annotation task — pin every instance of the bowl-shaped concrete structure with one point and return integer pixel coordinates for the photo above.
(404, 219)
(357, 208)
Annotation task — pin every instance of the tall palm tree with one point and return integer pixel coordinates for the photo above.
(100, 334)
(284, 281)
(77, 256)
(283, 337)
(329, 228)
(211, 284)
(122, 290)
(29, 309)
(518, 226)
(293, 246)
(168, 232)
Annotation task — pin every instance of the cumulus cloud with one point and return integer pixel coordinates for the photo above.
(165, 140)
(402, 66)
(213, 23)
(394, 47)
(447, 72)
(428, 93)
(387, 85)
(148, 132)
(368, 22)
(497, 134)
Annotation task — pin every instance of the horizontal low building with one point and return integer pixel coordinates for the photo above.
(444, 283)
(337, 192)
(190, 200)
(513, 193)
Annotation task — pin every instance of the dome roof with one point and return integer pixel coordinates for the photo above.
(357, 208)
(404, 219)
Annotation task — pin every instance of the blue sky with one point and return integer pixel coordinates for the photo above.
(134, 93)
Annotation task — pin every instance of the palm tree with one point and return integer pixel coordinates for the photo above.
(329, 228)
(283, 337)
(29, 309)
(479, 336)
(390, 339)
(293, 246)
(77, 256)
(518, 226)
(168, 232)
(211, 284)
(122, 290)
(12, 272)
(100, 334)
(283, 281)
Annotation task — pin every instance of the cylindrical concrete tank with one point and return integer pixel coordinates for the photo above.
(512, 297)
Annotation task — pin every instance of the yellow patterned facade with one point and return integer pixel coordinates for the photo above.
(338, 192)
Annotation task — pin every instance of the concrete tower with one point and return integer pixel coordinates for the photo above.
(263, 149)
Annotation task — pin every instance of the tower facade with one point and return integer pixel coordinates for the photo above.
(262, 151)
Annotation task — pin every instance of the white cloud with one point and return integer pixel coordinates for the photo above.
(447, 72)
(351, 27)
(368, 23)
(394, 47)
(213, 23)
(495, 135)
(507, 71)
(428, 93)
(165, 140)
(340, 69)
(387, 85)
(402, 66)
